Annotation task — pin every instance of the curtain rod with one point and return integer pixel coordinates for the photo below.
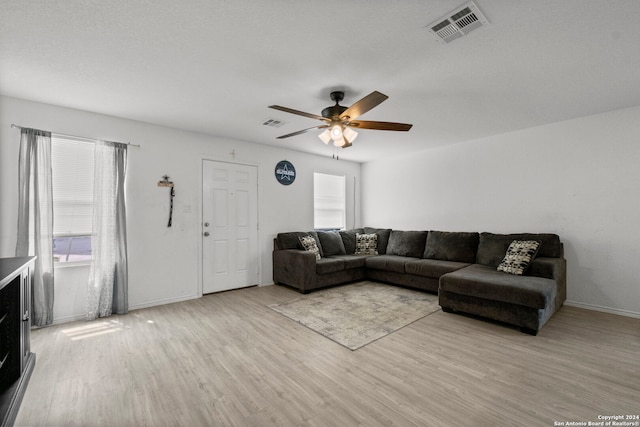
(75, 136)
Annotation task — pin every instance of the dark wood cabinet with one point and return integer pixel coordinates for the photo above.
(16, 359)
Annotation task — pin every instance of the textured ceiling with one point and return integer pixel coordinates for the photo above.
(215, 66)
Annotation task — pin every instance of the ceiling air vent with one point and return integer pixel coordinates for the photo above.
(272, 122)
(458, 23)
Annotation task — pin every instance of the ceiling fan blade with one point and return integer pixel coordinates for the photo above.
(370, 101)
(299, 113)
(302, 131)
(367, 124)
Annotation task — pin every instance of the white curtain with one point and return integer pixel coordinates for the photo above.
(35, 219)
(108, 277)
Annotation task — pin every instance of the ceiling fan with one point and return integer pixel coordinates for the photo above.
(338, 120)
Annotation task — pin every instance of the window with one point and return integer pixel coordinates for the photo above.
(72, 170)
(329, 207)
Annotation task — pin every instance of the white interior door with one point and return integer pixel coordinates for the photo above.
(229, 226)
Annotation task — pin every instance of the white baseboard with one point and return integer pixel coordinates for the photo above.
(82, 316)
(68, 319)
(163, 302)
(609, 310)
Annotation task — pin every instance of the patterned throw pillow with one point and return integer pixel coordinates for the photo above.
(309, 244)
(366, 244)
(519, 254)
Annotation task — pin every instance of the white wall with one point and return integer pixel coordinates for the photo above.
(164, 262)
(578, 178)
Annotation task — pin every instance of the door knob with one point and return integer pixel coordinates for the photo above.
(206, 233)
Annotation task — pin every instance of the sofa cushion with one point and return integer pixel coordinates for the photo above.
(393, 263)
(452, 246)
(349, 239)
(407, 243)
(383, 237)
(291, 239)
(366, 244)
(492, 247)
(432, 267)
(486, 282)
(352, 261)
(308, 243)
(329, 265)
(519, 254)
(331, 243)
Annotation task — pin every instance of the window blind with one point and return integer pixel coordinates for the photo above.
(72, 171)
(329, 208)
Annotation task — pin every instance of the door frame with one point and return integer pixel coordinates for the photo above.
(232, 161)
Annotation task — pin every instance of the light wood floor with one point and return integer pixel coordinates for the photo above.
(228, 360)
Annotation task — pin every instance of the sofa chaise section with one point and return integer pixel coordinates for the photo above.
(527, 301)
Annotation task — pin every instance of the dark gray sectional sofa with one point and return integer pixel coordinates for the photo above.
(461, 267)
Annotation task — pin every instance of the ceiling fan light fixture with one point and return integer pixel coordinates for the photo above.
(336, 132)
(338, 120)
(325, 136)
(349, 134)
(340, 142)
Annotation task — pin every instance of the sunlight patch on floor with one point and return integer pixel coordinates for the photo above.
(93, 329)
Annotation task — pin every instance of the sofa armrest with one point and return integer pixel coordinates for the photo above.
(552, 268)
(549, 268)
(295, 267)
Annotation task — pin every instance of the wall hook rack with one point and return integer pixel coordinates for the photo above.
(166, 183)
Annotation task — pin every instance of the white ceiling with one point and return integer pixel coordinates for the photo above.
(214, 66)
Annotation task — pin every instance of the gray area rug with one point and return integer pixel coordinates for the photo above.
(358, 314)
